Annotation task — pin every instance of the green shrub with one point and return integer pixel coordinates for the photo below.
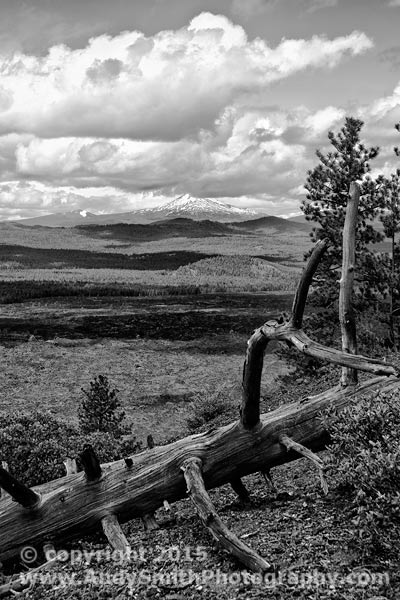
(100, 410)
(365, 458)
(35, 445)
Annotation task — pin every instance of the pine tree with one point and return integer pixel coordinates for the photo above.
(100, 410)
(328, 191)
(390, 190)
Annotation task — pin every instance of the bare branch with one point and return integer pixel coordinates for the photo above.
(91, 464)
(18, 491)
(70, 466)
(300, 297)
(355, 361)
(115, 535)
(196, 488)
(307, 453)
(252, 371)
(240, 489)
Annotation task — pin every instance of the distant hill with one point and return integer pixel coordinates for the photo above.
(298, 219)
(64, 219)
(197, 209)
(180, 227)
(184, 227)
(276, 223)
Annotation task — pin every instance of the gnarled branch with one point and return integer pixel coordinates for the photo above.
(196, 488)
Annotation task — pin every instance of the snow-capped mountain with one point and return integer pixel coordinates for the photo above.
(198, 209)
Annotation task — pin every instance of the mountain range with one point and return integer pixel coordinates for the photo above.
(197, 209)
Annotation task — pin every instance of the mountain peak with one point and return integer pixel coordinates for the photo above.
(202, 208)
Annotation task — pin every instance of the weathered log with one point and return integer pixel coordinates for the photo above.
(228, 540)
(346, 313)
(71, 506)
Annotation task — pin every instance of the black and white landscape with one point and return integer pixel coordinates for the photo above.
(168, 169)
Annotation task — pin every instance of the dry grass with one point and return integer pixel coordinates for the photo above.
(156, 379)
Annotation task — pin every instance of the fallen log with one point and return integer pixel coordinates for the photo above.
(73, 506)
(135, 487)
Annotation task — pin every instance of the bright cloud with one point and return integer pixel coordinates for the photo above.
(130, 119)
(37, 198)
(166, 87)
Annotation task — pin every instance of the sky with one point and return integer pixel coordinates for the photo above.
(114, 106)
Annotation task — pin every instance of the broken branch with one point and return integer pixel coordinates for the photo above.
(307, 453)
(192, 471)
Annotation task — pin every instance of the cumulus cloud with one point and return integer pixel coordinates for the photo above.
(32, 198)
(164, 87)
(129, 121)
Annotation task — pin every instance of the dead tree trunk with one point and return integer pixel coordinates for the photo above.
(346, 312)
(136, 486)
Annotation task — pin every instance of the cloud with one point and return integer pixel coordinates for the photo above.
(129, 121)
(165, 87)
(253, 153)
(394, 3)
(33, 198)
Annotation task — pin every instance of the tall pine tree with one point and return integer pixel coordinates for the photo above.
(327, 188)
(390, 190)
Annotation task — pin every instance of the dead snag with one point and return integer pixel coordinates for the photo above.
(346, 312)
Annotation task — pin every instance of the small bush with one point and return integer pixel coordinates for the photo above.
(35, 445)
(210, 408)
(100, 410)
(365, 458)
